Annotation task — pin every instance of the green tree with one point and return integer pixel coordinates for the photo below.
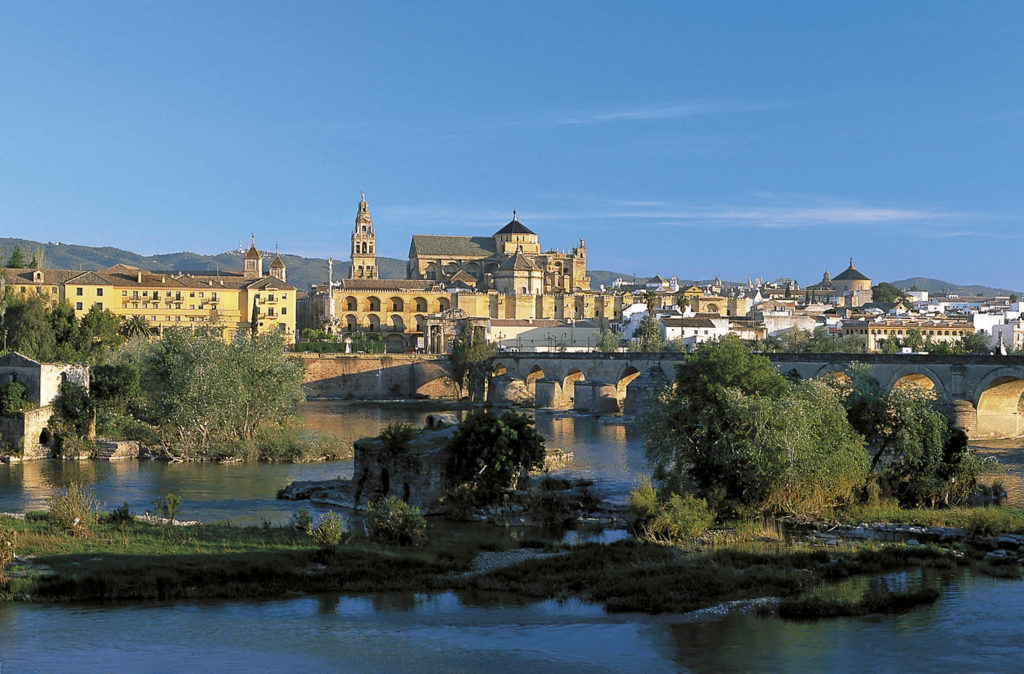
(887, 292)
(915, 447)
(17, 259)
(100, 330)
(254, 319)
(12, 398)
(66, 332)
(117, 384)
(28, 331)
(747, 441)
(73, 408)
(489, 451)
(914, 340)
(609, 342)
(205, 391)
(136, 326)
(470, 353)
(647, 336)
(976, 342)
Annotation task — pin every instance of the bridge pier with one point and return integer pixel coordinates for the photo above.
(596, 397)
(548, 395)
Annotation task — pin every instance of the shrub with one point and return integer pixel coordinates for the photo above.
(329, 532)
(302, 520)
(121, 515)
(392, 520)
(680, 518)
(168, 505)
(489, 452)
(8, 541)
(396, 438)
(73, 509)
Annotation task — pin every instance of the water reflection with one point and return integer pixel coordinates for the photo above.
(978, 624)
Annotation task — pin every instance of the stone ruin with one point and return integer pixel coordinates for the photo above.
(417, 475)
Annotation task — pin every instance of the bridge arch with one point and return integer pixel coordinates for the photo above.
(920, 376)
(625, 377)
(996, 399)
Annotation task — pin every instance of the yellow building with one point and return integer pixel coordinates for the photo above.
(225, 300)
(45, 283)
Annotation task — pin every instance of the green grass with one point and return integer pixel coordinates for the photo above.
(988, 520)
(631, 576)
(139, 562)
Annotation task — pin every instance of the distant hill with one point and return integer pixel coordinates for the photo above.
(937, 286)
(302, 271)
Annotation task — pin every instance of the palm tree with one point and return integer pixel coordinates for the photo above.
(136, 326)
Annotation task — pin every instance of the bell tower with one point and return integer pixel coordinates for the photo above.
(364, 258)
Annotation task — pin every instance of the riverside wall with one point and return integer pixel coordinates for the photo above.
(377, 376)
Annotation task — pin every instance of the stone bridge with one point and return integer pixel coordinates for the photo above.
(981, 392)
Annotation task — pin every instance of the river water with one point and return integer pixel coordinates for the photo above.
(978, 623)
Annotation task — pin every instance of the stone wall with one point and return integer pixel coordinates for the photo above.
(27, 433)
(373, 377)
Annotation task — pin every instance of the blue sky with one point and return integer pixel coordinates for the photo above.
(731, 138)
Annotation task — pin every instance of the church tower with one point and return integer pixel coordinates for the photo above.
(364, 258)
(253, 262)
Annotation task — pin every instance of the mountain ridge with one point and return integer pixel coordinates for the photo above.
(304, 271)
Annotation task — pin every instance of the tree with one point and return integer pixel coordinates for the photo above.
(136, 326)
(254, 319)
(747, 441)
(682, 301)
(73, 408)
(887, 292)
(17, 259)
(609, 342)
(1014, 297)
(38, 258)
(204, 391)
(915, 447)
(100, 329)
(647, 336)
(489, 451)
(976, 342)
(28, 330)
(470, 351)
(66, 332)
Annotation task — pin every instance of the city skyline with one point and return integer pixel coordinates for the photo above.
(730, 140)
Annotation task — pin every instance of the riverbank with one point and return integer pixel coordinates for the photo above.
(141, 562)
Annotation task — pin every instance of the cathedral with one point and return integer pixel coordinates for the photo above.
(505, 276)
(509, 262)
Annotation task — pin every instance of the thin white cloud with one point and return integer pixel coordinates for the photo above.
(657, 112)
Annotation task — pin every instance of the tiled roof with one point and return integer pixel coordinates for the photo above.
(518, 262)
(425, 245)
(514, 227)
(687, 323)
(50, 276)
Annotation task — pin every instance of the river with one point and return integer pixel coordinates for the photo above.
(978, 623)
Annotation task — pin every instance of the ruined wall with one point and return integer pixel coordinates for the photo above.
(372, 377)
(27, 434)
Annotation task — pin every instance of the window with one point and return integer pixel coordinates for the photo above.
(78, 306)
(284, 310)
(191, 294)
(78, 291)
(200, 294)
(124, 293)
(99, 292)
(99, 305)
